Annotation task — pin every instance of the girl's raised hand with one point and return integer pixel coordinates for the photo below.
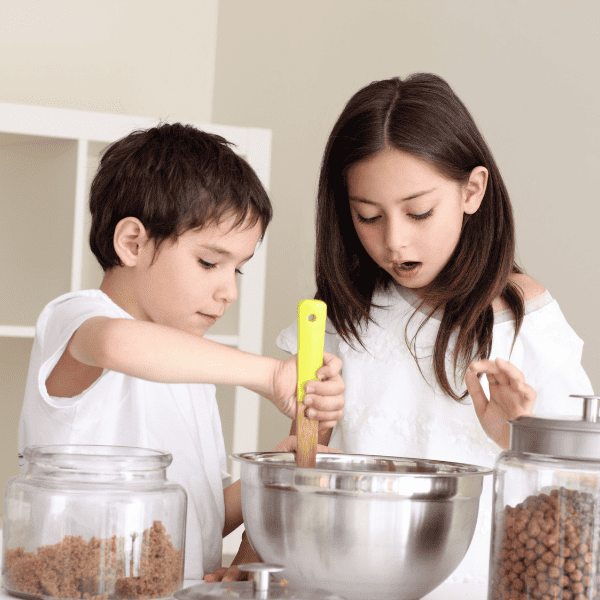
(324, 398)
(510, 397)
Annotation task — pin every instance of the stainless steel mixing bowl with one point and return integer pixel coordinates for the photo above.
(364, 527)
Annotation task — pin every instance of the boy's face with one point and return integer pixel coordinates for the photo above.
(192, 282)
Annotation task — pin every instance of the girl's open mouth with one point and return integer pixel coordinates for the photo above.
(408, 266)
(407, 270)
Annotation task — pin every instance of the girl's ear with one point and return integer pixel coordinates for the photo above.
(130, 236)
(474, 190)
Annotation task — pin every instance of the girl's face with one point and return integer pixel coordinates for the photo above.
(407, 215)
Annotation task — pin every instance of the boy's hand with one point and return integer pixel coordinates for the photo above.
(510, 397)
(324, 399)
(244, 555)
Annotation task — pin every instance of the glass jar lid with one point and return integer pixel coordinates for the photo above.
(97, 463)
(577, 438)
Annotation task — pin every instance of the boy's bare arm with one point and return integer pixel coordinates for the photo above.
(167, 355)
(233, 507)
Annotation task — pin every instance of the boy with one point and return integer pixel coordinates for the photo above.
(175, 215)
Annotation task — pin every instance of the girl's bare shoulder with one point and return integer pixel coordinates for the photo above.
(529, 287)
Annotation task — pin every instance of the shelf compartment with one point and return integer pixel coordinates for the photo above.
(37, 186)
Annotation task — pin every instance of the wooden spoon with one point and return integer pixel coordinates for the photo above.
(311, 340)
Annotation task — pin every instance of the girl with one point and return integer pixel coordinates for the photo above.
(415, 260)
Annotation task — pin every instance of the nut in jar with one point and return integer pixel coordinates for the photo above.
(547, 544)
(546, 530)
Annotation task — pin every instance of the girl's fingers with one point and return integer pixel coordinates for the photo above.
(485, 365)
(326, 426)
(490, 369)
(528, 394)
(332, 365)
(323, 415)
(512, 373)
(497, 379)
(325, 403)
(330, 387)
(327, 449)
(498, 372)
(476, 392)
(332, 359)
(328, 373)
(331, 362)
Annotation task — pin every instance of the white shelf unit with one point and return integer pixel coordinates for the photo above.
(48, 157)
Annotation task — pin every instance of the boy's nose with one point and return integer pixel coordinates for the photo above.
(228, 290)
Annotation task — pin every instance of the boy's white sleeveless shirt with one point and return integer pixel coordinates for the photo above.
(392, 409)
(181, 419)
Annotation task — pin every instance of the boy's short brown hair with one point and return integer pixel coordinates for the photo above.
(172, 178)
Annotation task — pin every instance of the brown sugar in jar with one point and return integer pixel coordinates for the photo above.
(74, 568)
(94, 522)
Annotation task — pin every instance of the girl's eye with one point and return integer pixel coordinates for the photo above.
(362, 219)
(422, 215)
(238, 272)
(206, 265)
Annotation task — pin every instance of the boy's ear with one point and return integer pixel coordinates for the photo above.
(130, 236)
(474, 190)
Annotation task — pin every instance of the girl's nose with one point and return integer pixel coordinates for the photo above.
(396, 236)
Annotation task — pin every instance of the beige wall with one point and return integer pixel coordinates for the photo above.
(528, 70)
(136, 57)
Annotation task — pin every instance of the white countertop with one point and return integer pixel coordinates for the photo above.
(458, 591)
(446, 591)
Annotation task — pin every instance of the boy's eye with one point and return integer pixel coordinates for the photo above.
(206, 264)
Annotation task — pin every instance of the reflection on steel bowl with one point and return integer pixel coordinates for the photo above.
(361, 526)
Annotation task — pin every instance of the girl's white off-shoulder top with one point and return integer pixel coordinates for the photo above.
(394, 409)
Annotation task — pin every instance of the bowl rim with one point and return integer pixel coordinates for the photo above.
(468, 470)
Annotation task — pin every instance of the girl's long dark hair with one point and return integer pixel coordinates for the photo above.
(422, 116)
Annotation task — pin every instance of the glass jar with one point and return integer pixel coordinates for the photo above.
(546, 523)
(93, 522)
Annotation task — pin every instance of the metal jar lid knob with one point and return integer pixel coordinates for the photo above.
(262, 575)
(590, 407)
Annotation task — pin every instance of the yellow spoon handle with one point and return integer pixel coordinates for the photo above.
(312, 315)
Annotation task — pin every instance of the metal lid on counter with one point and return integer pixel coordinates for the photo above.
(258, 589)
